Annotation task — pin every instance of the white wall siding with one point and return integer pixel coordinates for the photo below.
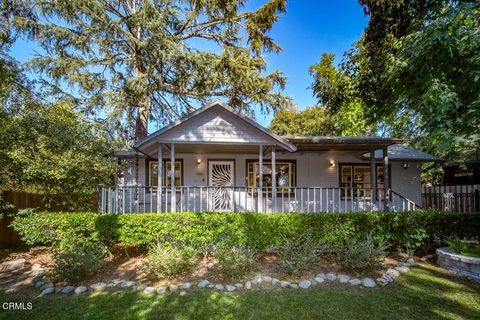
(407, 182)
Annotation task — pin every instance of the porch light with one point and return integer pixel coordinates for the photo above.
(332, 163)
(406, 166)
(199, 161)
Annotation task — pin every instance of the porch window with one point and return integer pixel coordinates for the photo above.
(285, 174)
(359, 177)
(166, 179)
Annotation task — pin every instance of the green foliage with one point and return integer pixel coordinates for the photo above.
(465, 248)
(401, 231)
(165, 261)
(298, 254)
(77, 261)
(313, 121)
(146, 59)
(362, 255)
(235, 263)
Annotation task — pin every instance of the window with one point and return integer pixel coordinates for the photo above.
(284, 172)
(166, 179)
(359, 177)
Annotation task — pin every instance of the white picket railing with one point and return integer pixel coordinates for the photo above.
(139, 199)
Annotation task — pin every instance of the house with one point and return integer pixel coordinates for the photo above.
(216, 159)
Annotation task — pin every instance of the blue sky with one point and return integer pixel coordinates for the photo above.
(308, 29)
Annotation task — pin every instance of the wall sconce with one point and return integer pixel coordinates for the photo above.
(199, 161)
(332, 163)
(406, 165)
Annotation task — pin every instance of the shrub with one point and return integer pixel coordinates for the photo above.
(363, 255)
(235, 263)
(168, 261)
(298, 254)
(462, 247)
(78, 261)
(402, 231)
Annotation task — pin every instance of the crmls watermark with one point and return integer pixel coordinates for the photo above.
(17, 306)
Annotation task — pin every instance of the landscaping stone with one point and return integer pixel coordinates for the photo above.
(186, 285)
(411, 262)
(319, 279)
(239, 285)
(68, 289)
(161, 290)
(257, 280)
(320, 276)
(402, 269)
(173, 288)
(39, 284)
(12, 265)
(80, 289)
(98, 286)
(314, 283)
(203, 283)
(404, 255)
(393, 273)
(284, 284)
(58, 289)
(305, 284)
(368, 283)
(403, 264)
(275, 282)
(331, 276)
(149, 290)
(46, 286)
(382, 281)
(117, 282)
(355, 281)
(46, 291)
(127, 284)
(36, 267)
(182, 293)
(230, 288)
(141, 287)
(211, 286)
(428, 256)
(248, 285)
(293, 285)
(267, 279)
(219, 286)
(343, 278)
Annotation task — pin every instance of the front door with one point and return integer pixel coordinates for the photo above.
(221, 178)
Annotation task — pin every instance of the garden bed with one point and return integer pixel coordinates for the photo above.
(461, 264)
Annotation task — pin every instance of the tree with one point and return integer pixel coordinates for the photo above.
(313, 121)
(142, 59)
(53, 150)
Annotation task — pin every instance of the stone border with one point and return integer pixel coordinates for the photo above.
(257, 281)
(459, 263)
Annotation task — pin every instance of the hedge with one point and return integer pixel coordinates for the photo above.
(402, 231)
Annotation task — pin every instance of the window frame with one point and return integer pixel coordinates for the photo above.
(277, 162)
(352, 183)
(148, 172)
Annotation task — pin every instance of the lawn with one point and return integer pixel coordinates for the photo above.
(427, 292)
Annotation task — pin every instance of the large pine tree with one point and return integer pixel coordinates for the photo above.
(137, 60)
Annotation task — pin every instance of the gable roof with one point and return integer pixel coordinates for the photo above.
(152, 137)
(400, 152)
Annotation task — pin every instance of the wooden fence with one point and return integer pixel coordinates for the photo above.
(461, 198)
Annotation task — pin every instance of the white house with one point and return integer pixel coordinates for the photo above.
(225, 161)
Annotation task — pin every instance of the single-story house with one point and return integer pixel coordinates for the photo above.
(217, 159)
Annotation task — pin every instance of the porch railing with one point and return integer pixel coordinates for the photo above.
(140, 199)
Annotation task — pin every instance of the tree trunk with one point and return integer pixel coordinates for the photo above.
(141, 125)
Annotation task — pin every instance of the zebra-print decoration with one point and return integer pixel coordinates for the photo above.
(221, 176)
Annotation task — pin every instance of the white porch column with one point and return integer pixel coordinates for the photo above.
(173, 204)
(385, 179)
(260, 178)
(274, 181)
(373, 177)
(159, 177)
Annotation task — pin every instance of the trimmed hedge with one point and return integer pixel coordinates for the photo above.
(402, 231)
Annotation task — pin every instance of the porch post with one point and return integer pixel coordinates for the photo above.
(373, 177)
(260, 178)
(385, 179)
(173, 204)
(159, 177)
(274, 181)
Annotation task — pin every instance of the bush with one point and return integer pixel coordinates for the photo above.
(402, 231)
(363, 255)
(78, 261)
(466, 248)
(168, 261)
(298, 254)
(235, 263)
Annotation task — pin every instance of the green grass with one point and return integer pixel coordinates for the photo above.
(426, 292)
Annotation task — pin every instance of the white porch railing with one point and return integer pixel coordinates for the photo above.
(140, 199)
